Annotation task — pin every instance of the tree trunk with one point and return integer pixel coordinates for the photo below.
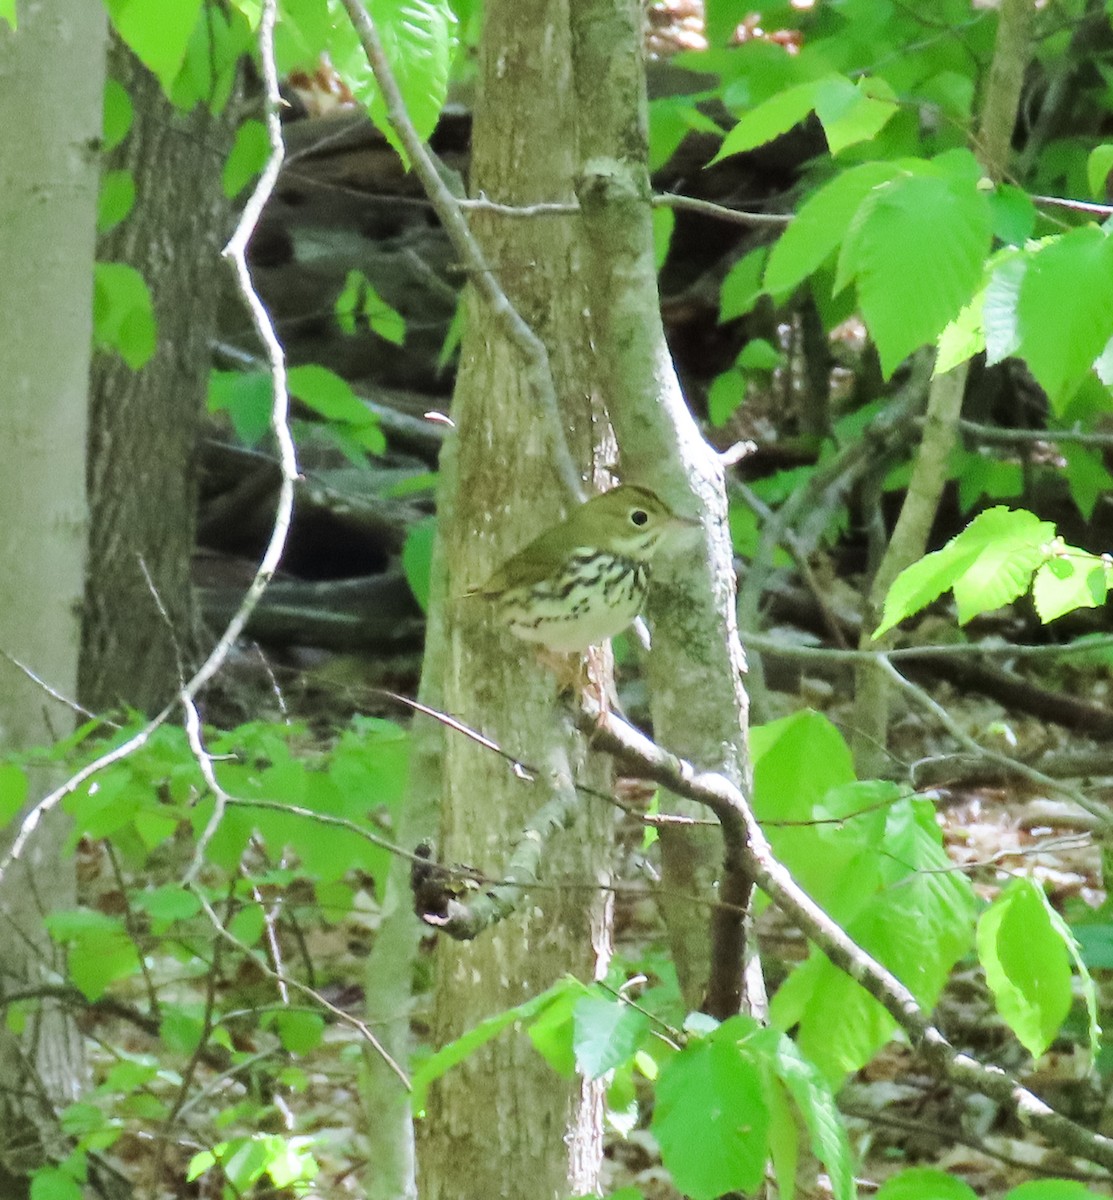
(699, 702)
(52, 76)
(503, 1124)
(144, 424)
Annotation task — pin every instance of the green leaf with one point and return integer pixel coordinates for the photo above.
(167, 904)
(52, 1183)
(1065, 310)
(759, 355)
(247, 157)
(115, 199)
(817, 1105)
(818, 229)
(1098, 166)
(726, 394)
(118, 114)
(925, 1183)
(1087, 477)
(13, 791)
(456, 1051)
(100, 959)
(1026, 964)
(247, 397)
(851, 114)
(157, 34)
(300, 1032)
(417, 558)
(909, 911)
(359, 304)
(123, 316)
(775, 116)
(1013, 214)
(930, 224)
(664, 222)
(1052, 1189)
(1064, 584)
(962, 338)
(988, 565)
(607, 1032)
(7, 12)
(742, 285)
(418, 37)
(181, 1029)
(330, 396)
(711, 1120)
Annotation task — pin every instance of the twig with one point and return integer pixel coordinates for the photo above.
(475, 264)
(720, 212)
(1099, 810)
(53, 693)
(261, 963)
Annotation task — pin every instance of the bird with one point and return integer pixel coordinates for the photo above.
(586, 579)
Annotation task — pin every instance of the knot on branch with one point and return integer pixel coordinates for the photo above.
(609, 181)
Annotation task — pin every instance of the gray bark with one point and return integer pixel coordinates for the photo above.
(48, 196)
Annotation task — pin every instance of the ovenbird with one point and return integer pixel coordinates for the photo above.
(587, 578)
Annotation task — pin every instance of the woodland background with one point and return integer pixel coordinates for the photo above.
(835, 276)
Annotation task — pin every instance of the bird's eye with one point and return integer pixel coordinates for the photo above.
(639, 517)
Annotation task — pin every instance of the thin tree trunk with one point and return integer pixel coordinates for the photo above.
(48, 197)
(144, 424)
(699, 702)
(503, 1124)
(944, 407)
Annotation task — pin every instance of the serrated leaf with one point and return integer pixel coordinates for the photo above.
(817, 1105)
(856, 115)
(988, 565)
(711, 1121)
(962, 338)
(1063, 585)
(1026, 964)
(775, 116)
(1065, 310)
(819, 227)
(930, 224)
(417, 36)
(999, 317)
